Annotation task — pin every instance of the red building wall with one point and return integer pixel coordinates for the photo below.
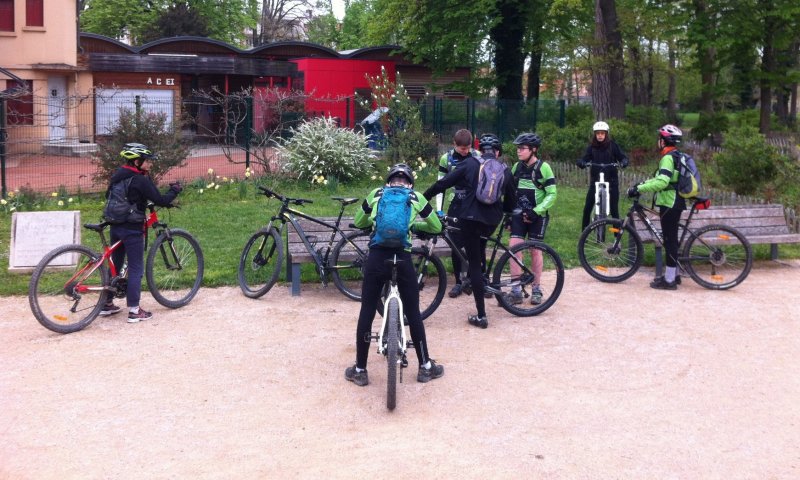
(333, 79)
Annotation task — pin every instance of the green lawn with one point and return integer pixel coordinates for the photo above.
(222, 220)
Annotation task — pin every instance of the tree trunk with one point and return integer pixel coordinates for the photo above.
(707, 57)
(768, 64)
(534, 76)
(608, 69)
(672, 96)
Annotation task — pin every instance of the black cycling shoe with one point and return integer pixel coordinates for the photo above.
(677, 279)
(477, 321)
(427, 374)
(455, 291)
(661, 283)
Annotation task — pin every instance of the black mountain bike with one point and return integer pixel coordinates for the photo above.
(717, 257)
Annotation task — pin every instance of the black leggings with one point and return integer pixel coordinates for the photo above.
(458, 241)
(376, 274)
(670, 216)
(475, 248)
(613, 203)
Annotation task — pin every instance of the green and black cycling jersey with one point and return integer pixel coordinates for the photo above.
(365, 216)
(536, 184)
(664, 181)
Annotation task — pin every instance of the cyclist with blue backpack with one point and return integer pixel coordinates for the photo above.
(391, 211)
(476, 216)
(449, 161)
(536, 193)
(670, 204)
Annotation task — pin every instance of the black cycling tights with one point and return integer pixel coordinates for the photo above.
(376, 273)
(475, 249)
(670, 216)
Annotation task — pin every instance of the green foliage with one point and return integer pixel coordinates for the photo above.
(748, 162)
(227, 21)
(579, 113)
(152, 129)
(650, 118)
(318, 150)
(711, 127)
(177, 20)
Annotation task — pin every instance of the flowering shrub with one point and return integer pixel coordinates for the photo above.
(318, 149)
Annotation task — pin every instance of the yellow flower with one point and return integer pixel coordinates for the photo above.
(61, 203)
(54, 194)
(247, 174)
(11, 194)
(3, 201)
(211, 171)
(224, 179)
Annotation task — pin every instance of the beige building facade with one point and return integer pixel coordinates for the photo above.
(39, 45)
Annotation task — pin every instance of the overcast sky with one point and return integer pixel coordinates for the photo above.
(338, 8)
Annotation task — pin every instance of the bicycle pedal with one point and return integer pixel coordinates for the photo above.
(404, 362)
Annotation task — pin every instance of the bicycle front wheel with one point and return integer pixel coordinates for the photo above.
(524, 291)
(260, 263)
(608, 252)
(392, 352)
(717, 257)
(67, 289)
(174, 268)
(347, 263)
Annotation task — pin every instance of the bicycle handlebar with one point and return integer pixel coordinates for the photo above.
(297, 201)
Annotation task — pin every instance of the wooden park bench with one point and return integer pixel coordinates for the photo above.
(297, 254)
(760, 224)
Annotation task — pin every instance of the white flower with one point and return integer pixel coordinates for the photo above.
(3, 201)
(211, 171)
(201, 190)
(210, 185)
(216, 187)
(423, 165)
(69, 200)
(373, 177)
(224, 179)
(12, 209)
(325, 181)
(61, 203)
(247, 174)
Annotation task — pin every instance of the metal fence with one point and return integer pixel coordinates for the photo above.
(46, 143)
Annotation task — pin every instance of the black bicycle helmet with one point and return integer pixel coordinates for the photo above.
(671, 134)
(490, 140)
(529, 139)
(401, 169)
(136, 153)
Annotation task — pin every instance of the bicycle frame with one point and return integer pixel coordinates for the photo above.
(393, 292)
(287, 214)
(641, 212)
(494, 239)
(601, 186)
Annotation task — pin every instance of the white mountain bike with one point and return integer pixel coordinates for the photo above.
(393, 336)
(602, 198)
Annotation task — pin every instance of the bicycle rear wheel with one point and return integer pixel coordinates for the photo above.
(717, 257)
(536, 294)
(392, 349)
(174, 268)
(260, 263)
(431, 280)
(614, 258)
(347, 263)
(67, 289)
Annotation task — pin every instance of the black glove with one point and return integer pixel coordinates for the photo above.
(176, 187)
(624, 162)
(580, 163)
(633, 191)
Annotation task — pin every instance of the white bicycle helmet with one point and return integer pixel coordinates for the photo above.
(600, 126)
(670, 134)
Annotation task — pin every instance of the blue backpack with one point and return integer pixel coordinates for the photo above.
(689, 183)
(392, 218)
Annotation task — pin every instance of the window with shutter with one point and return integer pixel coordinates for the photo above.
(34, 13)
(19, 108)
(6, 15)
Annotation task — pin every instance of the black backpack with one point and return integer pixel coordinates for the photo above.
(118, 208)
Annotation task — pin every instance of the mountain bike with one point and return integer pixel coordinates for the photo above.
(717, 257)
(511, 268)
(72, 283)
(262, 256)
(601, 196)
(393, 336)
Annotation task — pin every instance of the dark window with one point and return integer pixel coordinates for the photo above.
(34, 13)
(19, 107)
(6, 15)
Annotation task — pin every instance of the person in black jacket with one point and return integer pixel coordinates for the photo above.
(131, 233)
(476, 219)
(605, 155)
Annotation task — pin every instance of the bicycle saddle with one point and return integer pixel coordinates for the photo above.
(346, 201)
(95, 226)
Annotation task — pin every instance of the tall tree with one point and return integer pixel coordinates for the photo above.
(177, 20)
(608, 85)
(282, 20)
(509, 58)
